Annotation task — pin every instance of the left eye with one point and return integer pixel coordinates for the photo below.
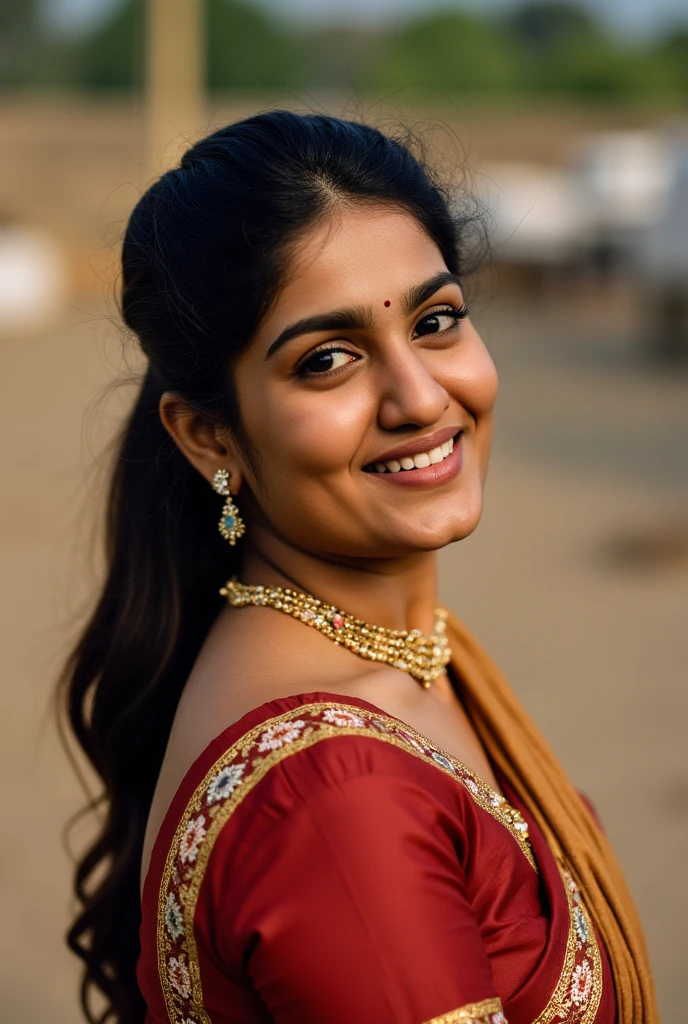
(326, 360)
(442, 320)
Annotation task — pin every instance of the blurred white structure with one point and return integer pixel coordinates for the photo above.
(662, 258)
(622, 179)
(615, 189)
(33, 279)
(620, 206)
(662, 250)
(537, 214)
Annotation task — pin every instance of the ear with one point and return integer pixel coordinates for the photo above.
(206, 446)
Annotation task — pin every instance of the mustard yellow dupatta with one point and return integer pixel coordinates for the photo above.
(530, 767)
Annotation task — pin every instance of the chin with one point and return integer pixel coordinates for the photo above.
(444, 530)
(442, 538)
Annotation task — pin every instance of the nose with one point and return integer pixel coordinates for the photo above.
(410, 394)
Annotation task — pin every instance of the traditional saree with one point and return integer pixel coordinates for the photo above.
(324, 863)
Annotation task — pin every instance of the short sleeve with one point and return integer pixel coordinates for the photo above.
(353, 907)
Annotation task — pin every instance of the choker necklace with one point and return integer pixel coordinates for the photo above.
(423, 657)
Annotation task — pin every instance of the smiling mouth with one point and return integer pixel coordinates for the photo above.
(422, 460)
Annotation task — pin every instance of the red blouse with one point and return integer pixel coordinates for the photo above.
(322, 863)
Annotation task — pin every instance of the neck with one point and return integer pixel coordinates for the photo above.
(395, 593)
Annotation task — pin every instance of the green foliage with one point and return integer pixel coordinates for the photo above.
(569, 55)
(113, 58)
(17, 20)
(548, 48)
(340, 57)
(599, 72)
(449, 52)
(545, 26)
(672, 54)
(245, 49)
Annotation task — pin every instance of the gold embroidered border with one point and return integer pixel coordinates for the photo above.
(577, 996)
(309, 724)
(488, 1012)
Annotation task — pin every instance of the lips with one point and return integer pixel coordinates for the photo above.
(434, 474)
(420, 461)
(418, 454)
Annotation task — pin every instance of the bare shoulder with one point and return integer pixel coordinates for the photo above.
(253, 656)
(249, 659)
(257, 655)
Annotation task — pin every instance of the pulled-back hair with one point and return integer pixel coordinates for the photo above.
(205, 253)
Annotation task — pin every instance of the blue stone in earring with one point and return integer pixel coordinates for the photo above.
(231, 525)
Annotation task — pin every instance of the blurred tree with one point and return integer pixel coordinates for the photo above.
(547, 26)
(566, 53)
(451, 52)
(340, 56)
(244, 49)
(600, 71)
(673, 53)
(248, 50)
(112, 58)
(18, 25)
(603, 71)
(549, 48)
(29, 56)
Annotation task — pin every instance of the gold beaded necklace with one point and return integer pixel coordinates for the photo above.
(423, 657)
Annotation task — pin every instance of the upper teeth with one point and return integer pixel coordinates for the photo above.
(420, 461)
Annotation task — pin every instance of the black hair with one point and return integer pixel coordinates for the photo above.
(204, 254)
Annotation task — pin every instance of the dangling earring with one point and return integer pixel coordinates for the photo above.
(231, 525)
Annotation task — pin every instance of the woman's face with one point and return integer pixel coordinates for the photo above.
(368, 395)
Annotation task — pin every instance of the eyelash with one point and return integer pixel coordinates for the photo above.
(457, 314)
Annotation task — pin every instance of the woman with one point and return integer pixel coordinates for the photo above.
(336, 809)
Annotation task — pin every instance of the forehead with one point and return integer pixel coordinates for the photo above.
(361, 256)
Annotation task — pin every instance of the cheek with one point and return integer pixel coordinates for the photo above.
(473, 381)
(308, 433)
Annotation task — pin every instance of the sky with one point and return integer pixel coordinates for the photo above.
(635, 18)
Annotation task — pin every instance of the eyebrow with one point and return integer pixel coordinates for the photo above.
(356, 319)
(360, 318)
(422, 292)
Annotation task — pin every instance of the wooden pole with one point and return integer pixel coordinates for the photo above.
(174, 80)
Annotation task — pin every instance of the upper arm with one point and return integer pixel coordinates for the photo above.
(353, 907)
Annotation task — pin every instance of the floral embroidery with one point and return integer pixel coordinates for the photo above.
(581, 983)
(230, 779)
(488, 1012)
(444, 761)
(277, 735)
(174, 919)
(410, 739)
(382, 726)
(179, 976)
(581, 924)
(194, 835)
(577, 996)
(343, 718)
(225, 782)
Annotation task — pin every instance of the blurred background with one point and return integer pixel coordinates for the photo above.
(570, 120)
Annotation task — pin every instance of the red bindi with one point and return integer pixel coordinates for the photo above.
(387, 302)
